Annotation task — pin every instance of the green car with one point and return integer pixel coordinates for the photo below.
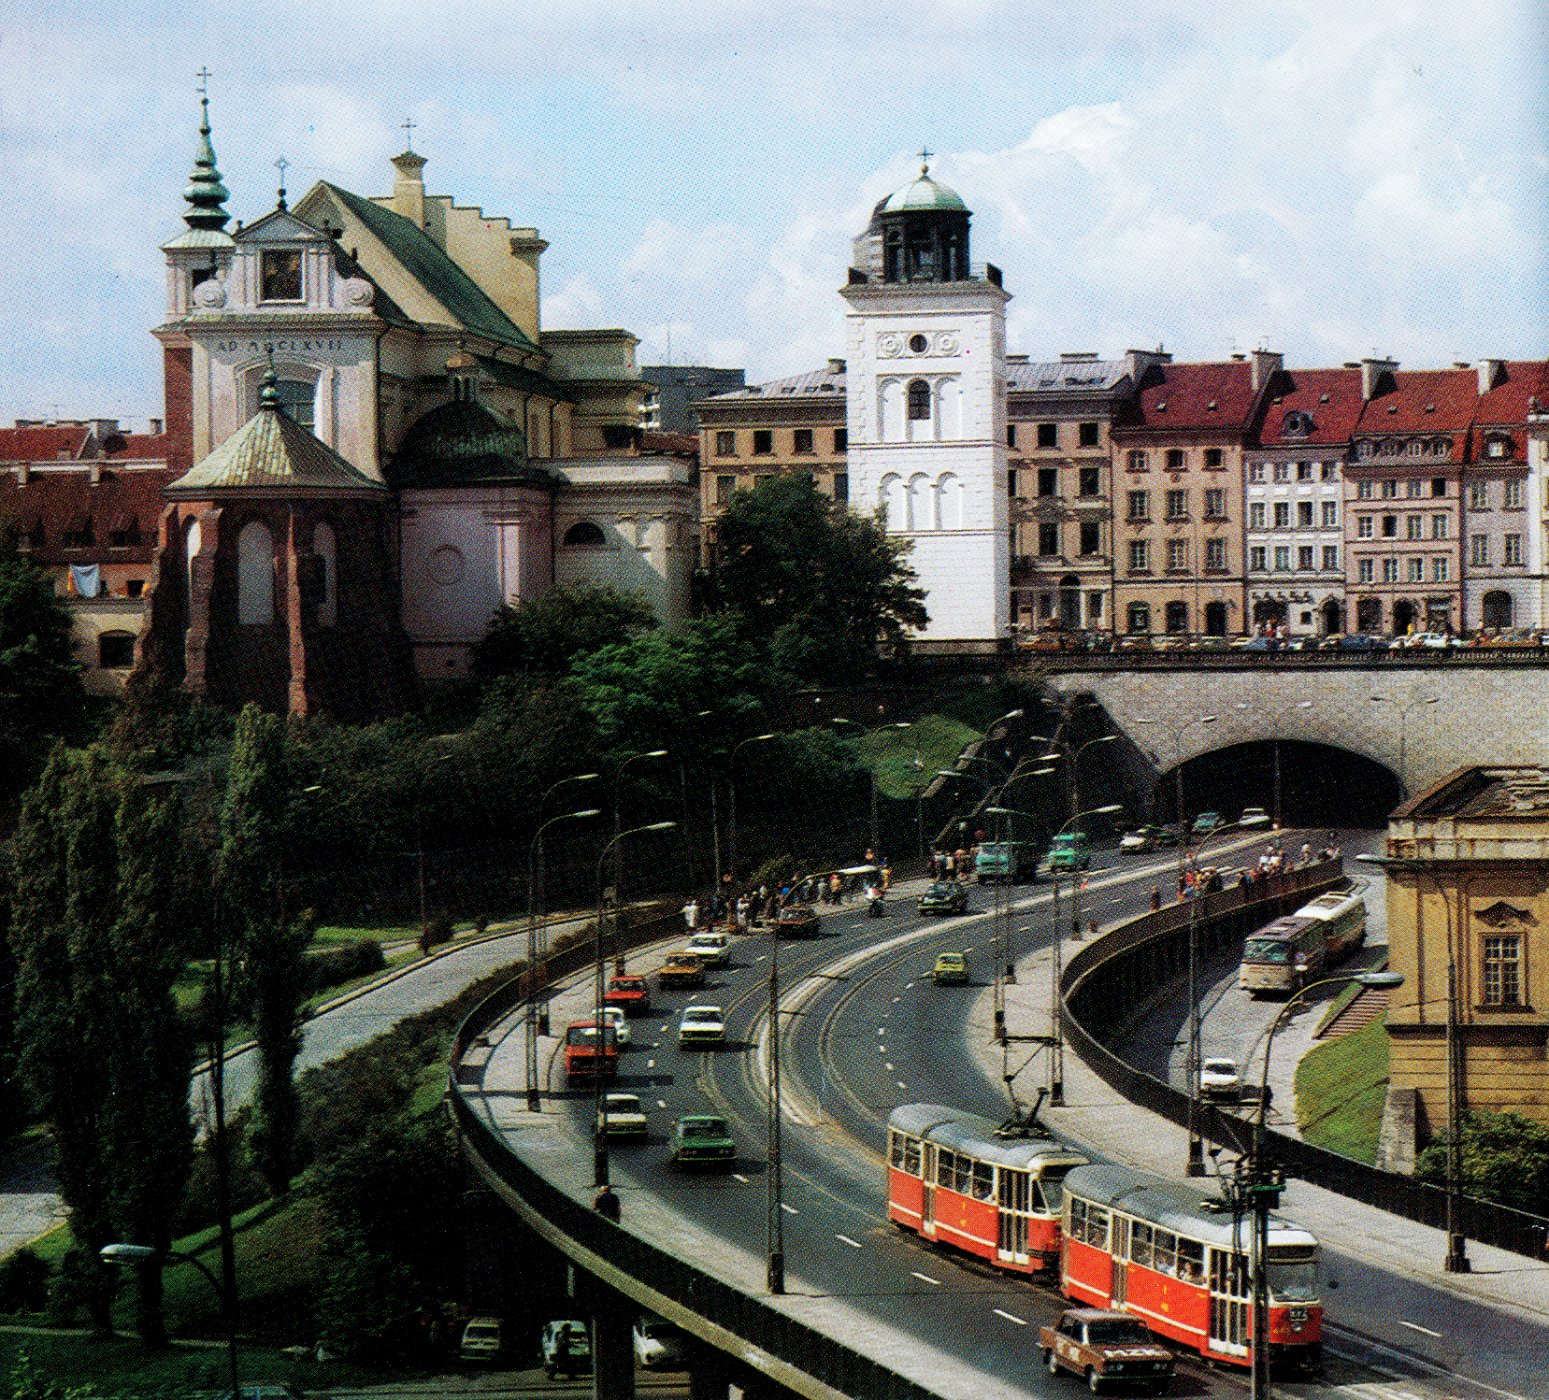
(702, 1140)
(944, 897)
(1070, 850)
(950, 967)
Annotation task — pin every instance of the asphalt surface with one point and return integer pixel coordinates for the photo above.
(864, 1031)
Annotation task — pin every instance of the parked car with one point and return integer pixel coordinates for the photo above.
(659, 1344)
(482, 1340)
(623, 1116)
(1206, 822)
(950, 968)
(632, 995)
(1256, 644)
(702, 1140)
(566, 1347)
(1105, 1348)
(712, 949)
(1148, 838)
(1360, 641)
(944, 897)
(1220, 1079)
(681, 970)
(702, 1025)
(796, 921)
(1253, 817)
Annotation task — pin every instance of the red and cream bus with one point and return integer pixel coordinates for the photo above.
(1285, 955)
(1157, 1249)
(951, 1178)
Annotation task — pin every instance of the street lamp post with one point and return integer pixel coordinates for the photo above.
(731, 784)
(774, 1208)
(1404, 712)
(1456, 1261)
(1264, 1185)
(1275, 804)
(1177, 732)
(876, 844)
(599, 1121)
(1057, 968)
(144, 1256)
(618, 823)
(534, 1100)
(542, 870)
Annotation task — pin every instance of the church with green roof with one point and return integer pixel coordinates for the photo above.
(376, 444)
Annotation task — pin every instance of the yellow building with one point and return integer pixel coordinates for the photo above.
(1468, 891)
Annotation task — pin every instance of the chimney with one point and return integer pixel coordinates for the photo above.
(1490, 372)
(155, 428)
(409, 188)
(836, 366)
(1265, 363)
(1373, 373)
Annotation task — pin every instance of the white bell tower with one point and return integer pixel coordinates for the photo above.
(927, 406)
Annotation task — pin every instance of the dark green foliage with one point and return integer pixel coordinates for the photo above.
(437, 930)
(23, 1282)
(270, 944)
(1504, 1158)
(822, 587)
(335, 965)
(41, 698)
(546, 634)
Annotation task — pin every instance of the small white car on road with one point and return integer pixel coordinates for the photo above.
(712, 948)
(1253, 817)
(658, 1344)
(615, 1017)
(1220, 1079)
(623, 1116)
(701, 1025)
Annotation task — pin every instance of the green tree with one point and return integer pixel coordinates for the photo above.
(547, 633)
(1504, 1157)
(270, 946)
(823, 586)
(41, 698)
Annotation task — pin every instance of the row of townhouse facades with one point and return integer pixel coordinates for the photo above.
(1219, 498)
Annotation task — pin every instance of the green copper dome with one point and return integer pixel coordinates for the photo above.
(461, 443)
(205, 193)
(924, 196)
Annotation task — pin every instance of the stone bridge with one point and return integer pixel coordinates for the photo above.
(1432, 718)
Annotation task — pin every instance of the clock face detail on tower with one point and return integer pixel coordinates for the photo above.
(890, 345)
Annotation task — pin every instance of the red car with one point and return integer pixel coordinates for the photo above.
(632, 995)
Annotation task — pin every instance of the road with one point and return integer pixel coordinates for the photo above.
(864, 1032)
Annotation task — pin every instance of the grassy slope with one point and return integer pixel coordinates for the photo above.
(1340, 1090)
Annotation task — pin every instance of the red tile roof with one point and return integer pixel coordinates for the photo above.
(1193, 397)
(1424, 401)
(1507, 402)
(56, 502)
(1329, 398)
(43, 444)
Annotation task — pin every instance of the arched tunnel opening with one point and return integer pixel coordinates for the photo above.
(1301, 784)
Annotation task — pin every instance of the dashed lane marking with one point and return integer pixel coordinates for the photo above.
(661, 1103)
(900, 1083)
(1010, 1317)
(739, 1176)
(925, 1278)
(1415, 1327)
(888, 1066)
(789, 1209)
(854, 1244)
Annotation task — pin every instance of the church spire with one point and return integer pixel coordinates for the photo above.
(205, 193)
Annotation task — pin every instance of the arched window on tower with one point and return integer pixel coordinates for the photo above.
(920, 495)
(891, 497)
(325, 549)
(919, 400)
(949, 501)
(584, 535)
(255, 575)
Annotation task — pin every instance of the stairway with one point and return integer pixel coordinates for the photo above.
(1368, 1005)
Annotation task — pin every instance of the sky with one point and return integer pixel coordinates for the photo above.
(1318, 177)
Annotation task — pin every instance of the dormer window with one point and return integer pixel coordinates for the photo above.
(1498, 447)
(1297, 424)
(280, 274)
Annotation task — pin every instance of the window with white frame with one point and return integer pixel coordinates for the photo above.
(1414, 527)
(1479, 551)
(1256, 472)
(1304, 555)
(1511, 549)
(1479, 495)
(1177, 554)
(1282, 515)
(1282, 471)
(1363, 490)
(1511, 495)
(1501, 965)
(1282, 558)
(1416, 570)
(1330, 556)
(1255, 515)
(1256, 557)
(1441, 569)
(1390, 570)
(1215, 554)
(1139, 556)
(1364, 529)
(1330, 515)
(1365, 570)
(1441, 528)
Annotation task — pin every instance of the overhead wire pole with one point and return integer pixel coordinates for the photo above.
(1404, 712)
(534, 1098)
(731, 784)
(774, 1207)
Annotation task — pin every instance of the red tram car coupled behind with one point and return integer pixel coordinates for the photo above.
(1158, 1250)
(951, 1179)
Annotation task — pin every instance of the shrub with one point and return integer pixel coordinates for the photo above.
(23, 1282)
(335, 965)
(437, 930)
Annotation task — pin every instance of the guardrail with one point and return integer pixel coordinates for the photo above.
(1181, 660)
(1103, 981)
(798, 1356)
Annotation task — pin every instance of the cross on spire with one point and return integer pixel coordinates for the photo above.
(281, 165)
(925, 155)
(408, 127)
(204, 81)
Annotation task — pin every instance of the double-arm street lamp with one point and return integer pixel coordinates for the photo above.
(600, 1120)
(1405, 709)
(1456, 1261)
(731, 787)
(144, 1256)
(1177, 732)
(618, 821)
(1260, 1187)
(534, 1099)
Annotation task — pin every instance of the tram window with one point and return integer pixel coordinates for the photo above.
(1140, 1244)
(1164, 1251)
(1051, 1189)
(946, 1168)
(965, 1175)
(895, 1149)
(984, 1181)
(1097, 1227)
(1078, 1220)
(912, 1156)
(1191, 1261)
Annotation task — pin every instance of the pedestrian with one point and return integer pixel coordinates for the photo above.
(887, 874)
(606, 1204)
(691, 913)
(1156, 899)
(1306, 853)
(742, 913)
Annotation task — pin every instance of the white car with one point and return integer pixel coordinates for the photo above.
(1220, 1079)
(615, 1017)
(623, 1116)
(658, 1344)
(701, 1025)
(1252, 817)
(711, 948)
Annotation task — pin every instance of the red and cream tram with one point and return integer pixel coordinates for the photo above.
(953, 1180)
(1155, 1248)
